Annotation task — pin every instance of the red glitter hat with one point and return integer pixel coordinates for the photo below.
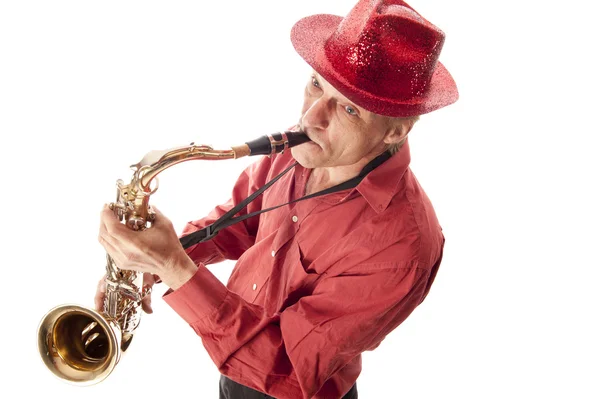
(383, 56)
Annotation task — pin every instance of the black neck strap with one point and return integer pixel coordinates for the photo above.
(228, 219)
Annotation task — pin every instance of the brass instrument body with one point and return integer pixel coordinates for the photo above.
(82, 346)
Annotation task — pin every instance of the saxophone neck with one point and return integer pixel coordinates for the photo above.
(155, 162)
(132, 199)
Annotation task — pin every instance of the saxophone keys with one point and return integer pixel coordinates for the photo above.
(136, 223)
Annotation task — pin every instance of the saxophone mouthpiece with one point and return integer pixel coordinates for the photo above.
(276, 142)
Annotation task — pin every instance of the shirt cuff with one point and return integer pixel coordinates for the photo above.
(199, 297)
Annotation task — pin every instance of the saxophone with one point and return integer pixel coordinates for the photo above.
(81, 345)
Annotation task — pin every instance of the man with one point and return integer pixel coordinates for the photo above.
(319, 281)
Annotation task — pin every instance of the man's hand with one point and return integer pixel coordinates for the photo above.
(156, 250)
(149, 280)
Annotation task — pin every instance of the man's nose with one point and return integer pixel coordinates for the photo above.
(317, 116)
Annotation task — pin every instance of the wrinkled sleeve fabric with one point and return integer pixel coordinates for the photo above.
(293, 353)
(231, 242)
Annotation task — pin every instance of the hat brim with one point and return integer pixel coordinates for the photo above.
(308, 38)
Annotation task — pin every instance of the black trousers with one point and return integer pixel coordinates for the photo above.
(229, 389)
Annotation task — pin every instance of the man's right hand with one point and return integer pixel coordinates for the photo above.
(149, 281)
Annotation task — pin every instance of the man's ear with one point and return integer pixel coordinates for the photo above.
(398, 132)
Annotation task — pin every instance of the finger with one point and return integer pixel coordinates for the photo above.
(103, 229)
(147, 300)
(149, 279)
(160, 218)
(157, 213)
(107, 242)
(100, 294)
(108, 214)
(155, 209)
(121, 259)
(147, 304)
(110, 222)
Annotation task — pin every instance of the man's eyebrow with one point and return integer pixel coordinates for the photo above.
(318, 77)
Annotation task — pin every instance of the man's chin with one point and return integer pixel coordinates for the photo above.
(305, 154)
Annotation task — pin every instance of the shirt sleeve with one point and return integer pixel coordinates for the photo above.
(293, 353)
(231, 242)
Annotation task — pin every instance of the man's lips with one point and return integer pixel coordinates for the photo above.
(299, 127)
(312, 141)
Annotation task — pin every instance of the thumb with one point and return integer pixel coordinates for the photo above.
(100, 294)
(147, 304)
(147, 300)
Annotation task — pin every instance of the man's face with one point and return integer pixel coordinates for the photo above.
(342, 133)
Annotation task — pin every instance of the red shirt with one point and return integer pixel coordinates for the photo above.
(317, 282)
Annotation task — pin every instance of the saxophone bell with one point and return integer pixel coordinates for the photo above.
(78, 344)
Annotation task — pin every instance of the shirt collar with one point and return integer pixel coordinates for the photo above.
(380, 185)
(377, 187)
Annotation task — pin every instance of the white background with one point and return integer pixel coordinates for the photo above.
(87, 88)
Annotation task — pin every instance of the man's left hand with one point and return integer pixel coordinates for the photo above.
(156, 250)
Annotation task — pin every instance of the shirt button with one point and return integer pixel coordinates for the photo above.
(254, 287)
(273, 253)
(294, 218)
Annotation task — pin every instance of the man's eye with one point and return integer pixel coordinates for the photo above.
(315, 82)
(350, 110)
